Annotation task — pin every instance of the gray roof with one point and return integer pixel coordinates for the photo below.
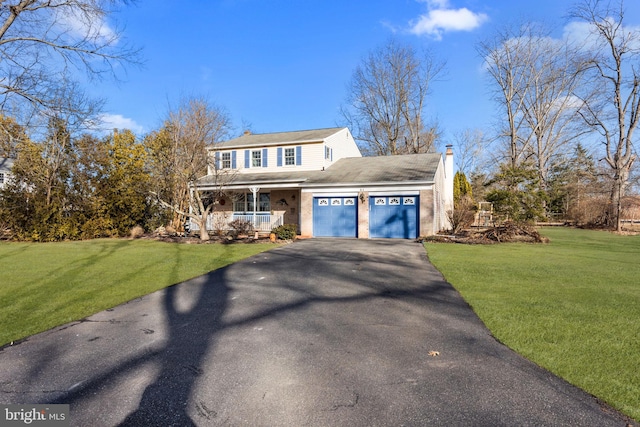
(295, 137)
(411, 168)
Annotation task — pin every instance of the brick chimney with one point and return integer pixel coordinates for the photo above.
(247, 132)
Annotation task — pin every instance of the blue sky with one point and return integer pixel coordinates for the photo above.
(280, 65)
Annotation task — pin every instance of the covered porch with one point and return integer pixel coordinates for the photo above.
(265, 200)
(264, 208)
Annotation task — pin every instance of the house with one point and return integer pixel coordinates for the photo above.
(318, 180)
(5, 170)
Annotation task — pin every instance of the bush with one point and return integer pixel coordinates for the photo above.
(136, 232)
(240, 227)
(463, 215)
(286, 231)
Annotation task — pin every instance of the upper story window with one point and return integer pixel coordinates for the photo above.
(256, 159)
(289, 156)
(1, 178)
(328, 153)
(226, 160)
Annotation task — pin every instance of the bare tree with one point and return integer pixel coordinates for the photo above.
(506, 58)
(386, 100)
(470, 146)
(179, 158)
(44, 42)
(535, 77)
(550, 109)
(615, 110)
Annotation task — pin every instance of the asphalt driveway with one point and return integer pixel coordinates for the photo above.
(317, 333)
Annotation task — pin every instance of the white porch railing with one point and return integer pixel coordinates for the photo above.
(261, 222)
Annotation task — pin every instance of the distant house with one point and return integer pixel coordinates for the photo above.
(318, 180)
(6, 164)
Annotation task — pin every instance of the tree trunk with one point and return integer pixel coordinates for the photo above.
(617, 193)
(202, 224)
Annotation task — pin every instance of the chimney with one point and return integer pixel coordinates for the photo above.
(448, 179)
(247, 132)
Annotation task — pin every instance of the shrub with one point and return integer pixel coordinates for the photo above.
(463, 215)
(286, 231)
(136, 232)
(239, 226)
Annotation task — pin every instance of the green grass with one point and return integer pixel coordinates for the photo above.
(571, 306)
(48, 284)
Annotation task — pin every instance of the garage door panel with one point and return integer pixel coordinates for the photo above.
(334, 217)
(393, 217)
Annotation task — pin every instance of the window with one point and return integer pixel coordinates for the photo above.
(1, 178)
(328, 153)
(256, 159)
(244, 203)
(226, 160)
(289, 156)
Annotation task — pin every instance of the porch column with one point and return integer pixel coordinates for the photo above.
(254, 190)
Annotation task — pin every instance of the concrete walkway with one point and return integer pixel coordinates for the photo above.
(316, 333)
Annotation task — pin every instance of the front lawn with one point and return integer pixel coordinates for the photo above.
(571, 306)
(43, 285)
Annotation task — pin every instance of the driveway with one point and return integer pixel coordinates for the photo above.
(317, 333)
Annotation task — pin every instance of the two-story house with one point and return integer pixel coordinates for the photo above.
(318, 180)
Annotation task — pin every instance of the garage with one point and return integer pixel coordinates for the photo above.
(335, 217)
(393, 217)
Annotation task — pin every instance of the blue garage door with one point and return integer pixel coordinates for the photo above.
(393, 217)
(334, 217)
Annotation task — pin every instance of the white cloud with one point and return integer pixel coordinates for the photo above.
(117, 121)
(579, 33)
(440, 18)
(91, 26)
(585, 34)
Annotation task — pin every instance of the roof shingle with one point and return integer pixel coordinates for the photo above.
(300, 136)
(382, 169)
